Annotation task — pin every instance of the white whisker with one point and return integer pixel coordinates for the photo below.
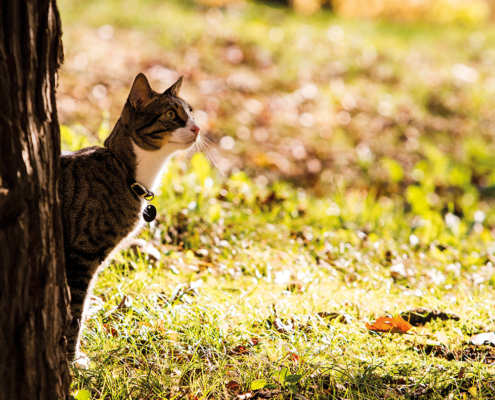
(213, 148)
(193, 149)
(207, 154)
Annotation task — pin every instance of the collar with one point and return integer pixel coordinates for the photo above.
(141, 191)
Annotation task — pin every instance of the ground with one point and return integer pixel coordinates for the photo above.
(352, 180)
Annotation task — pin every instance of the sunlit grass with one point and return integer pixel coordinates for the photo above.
(241, 268)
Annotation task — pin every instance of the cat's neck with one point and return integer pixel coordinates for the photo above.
(120, 145)
(144, 166)
(150, 165)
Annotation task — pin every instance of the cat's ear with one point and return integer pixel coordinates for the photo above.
(141, 92)
(175, 88)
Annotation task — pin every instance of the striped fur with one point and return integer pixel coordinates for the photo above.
(99, 210)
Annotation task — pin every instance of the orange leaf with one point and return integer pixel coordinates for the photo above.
(233, 386)
(110, 330)
(390, 325)
(239, 350)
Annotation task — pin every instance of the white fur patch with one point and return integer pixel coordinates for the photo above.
(150, 165)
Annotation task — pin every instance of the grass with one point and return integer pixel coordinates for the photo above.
(258, 283)
(242, 265)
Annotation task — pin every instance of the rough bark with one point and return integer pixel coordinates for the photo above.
(34, 311)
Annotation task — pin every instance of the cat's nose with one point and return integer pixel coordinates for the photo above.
(195, 128)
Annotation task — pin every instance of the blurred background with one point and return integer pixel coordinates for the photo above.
(391, 98)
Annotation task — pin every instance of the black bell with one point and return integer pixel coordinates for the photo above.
(149, 213)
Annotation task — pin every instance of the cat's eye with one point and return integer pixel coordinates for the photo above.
(170, 114)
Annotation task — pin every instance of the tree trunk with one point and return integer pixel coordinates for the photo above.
(34, 306)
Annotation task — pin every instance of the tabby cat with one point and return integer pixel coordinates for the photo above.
(103, 190)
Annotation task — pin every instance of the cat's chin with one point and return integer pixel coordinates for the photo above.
(189, 143)
(183, 145)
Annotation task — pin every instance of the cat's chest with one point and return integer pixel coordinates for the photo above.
(99, 208)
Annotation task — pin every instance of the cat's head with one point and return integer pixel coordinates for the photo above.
(159, 120)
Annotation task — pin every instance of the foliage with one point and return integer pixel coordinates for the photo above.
(433, 11)
(337, 103)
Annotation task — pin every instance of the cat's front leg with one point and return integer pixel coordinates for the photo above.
(80, 273)
(77, 310)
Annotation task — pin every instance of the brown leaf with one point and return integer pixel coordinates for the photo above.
(294, 357)
(239, 351)
(243, 349)
(390, 325)
(461, 373)
(111, 330)
(233, 387)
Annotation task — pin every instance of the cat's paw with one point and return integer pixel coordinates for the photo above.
(81, 360)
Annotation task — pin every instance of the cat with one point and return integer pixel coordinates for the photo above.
(104, 190)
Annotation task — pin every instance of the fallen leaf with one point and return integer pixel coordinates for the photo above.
(110, 330)
(258, 384)
(82, 395)
(482, 338)
(239, 351)
(420, 316)
(243, 349)
(233, 386)
(461, 373)
(390, 325)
